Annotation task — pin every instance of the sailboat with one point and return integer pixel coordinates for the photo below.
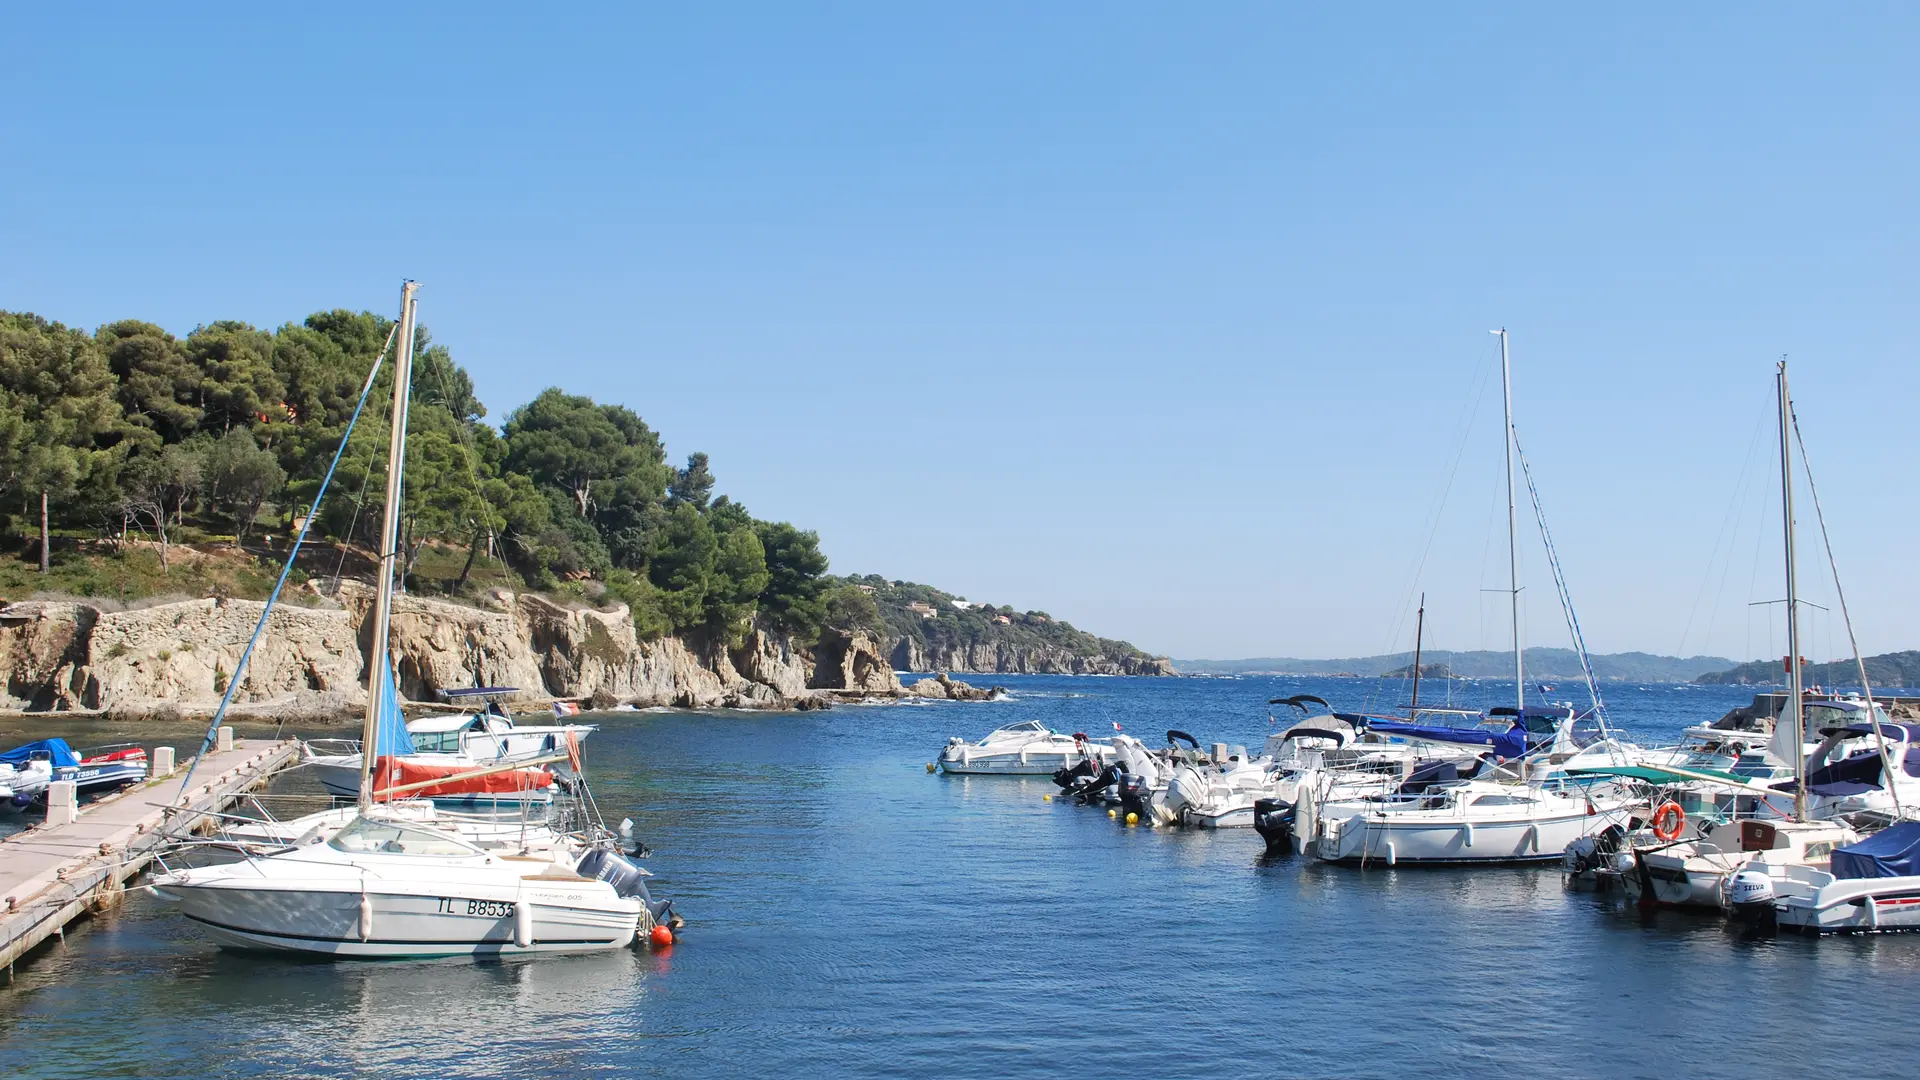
(389, 884)
(1513, 812)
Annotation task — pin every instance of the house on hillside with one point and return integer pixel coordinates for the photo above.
(962, 604)
(921, 608)
(1002, 620)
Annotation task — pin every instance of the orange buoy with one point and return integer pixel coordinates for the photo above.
(1668, 820)
(661, 937)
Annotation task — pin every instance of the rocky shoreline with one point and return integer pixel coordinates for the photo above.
(174, 660)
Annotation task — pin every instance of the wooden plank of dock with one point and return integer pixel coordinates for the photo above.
(51, 873)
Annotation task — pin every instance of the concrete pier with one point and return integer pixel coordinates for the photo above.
(52, 873)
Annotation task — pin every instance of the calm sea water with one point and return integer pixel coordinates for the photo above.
(850, 915)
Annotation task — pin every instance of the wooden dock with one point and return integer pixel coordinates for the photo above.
(53, 873)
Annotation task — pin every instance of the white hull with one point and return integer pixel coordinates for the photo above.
(1849, 905)
(1342, 835)
(453, 920)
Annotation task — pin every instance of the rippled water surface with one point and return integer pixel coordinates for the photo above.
(850, 915)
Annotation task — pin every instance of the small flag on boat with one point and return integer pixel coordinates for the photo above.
(1117, 727)
(566, 708)
(1543, 688)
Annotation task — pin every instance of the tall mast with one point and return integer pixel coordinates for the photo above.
(379, 667)
(1419, 629)
(1794, 714)
(1513, 543)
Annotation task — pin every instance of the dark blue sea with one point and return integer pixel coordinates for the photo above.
(851, 915)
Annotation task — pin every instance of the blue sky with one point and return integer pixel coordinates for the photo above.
(1169, 322)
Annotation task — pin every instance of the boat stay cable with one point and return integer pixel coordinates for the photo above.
(1887, 766)
(240, 667)
(1566, 596)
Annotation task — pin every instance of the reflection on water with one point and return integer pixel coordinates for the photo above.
(851, 915)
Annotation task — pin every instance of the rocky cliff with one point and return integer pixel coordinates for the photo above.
(64, 656)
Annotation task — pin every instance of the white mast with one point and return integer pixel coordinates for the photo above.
(1793, 716)
(1513, 545)
(389, 541)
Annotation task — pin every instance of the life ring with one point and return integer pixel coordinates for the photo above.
(1669, 811)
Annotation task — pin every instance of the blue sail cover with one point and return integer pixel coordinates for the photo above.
(1511, 743)
(55, 750)
(1892, 852)
(390, 738)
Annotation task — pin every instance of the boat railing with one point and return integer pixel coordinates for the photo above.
(333, 747)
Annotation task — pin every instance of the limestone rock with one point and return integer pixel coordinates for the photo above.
(852, 661)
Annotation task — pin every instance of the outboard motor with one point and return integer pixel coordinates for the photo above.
(1750, 896)
(1134, 793)
(1090, 789)
(626, 878)
(1067, 777)
(1273, 820)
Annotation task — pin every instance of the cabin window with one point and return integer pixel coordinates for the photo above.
(1819, 849)
(436, 742)
(369, 835)
(1500, 800)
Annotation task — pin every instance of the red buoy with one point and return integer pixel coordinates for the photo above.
(661, 937)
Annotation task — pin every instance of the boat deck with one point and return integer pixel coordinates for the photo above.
(51, 874)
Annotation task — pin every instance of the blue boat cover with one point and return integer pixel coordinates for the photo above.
(1891, 852)
(1511, 743)
(56, 750)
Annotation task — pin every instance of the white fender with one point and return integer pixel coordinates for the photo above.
(366, 913)
(523, 923)
(1466, 834)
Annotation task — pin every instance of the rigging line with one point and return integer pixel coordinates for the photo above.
(1887, 768)
(1435, 510)
(469, 453)
(1560, 583)
(360, 498)
(240, 668)
(1727, 532)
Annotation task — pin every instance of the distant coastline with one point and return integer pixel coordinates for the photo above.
(1541, 663)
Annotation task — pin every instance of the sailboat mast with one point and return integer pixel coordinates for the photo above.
(1419, 631)
(1794, 713)
(378, 663)
(1513, 543)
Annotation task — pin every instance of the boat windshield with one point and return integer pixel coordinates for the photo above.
(371, 834)
(1027, 728)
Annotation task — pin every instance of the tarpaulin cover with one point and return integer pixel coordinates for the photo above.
(392, 772)
(56, 750)
(1892, 852)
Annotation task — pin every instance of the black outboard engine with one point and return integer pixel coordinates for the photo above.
(1068, 777)
(1273, 820)
(1133, 794)
(1089, 789)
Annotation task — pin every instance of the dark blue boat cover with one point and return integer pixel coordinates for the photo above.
(1892, 852)
(57, 750)
(1511, 743)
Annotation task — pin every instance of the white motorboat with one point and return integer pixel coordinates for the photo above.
(1029, 748)
(1870, 886)
(1862, 765)
(1458, 821)
(491, 832)
(460, 741)
(1693, 873)
(384, 886)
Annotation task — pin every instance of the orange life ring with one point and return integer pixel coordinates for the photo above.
(1669, 810)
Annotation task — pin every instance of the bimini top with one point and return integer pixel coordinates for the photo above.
(1907, 732)
(55, 750)
(1892, 852)
(478, 691)
(1511, 743)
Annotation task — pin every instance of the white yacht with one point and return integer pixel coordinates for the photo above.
(1459, 821)
(1029, 748)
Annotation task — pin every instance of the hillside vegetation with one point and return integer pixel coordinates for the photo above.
(920, 621)
(134, 463)
(1898, 669)
(1541, 663)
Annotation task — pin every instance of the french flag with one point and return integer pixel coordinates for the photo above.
(1117, 727)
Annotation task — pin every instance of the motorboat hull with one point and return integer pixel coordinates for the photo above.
(415, 921)
(1851, 906)
(1012, 763)
(1361, 838)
